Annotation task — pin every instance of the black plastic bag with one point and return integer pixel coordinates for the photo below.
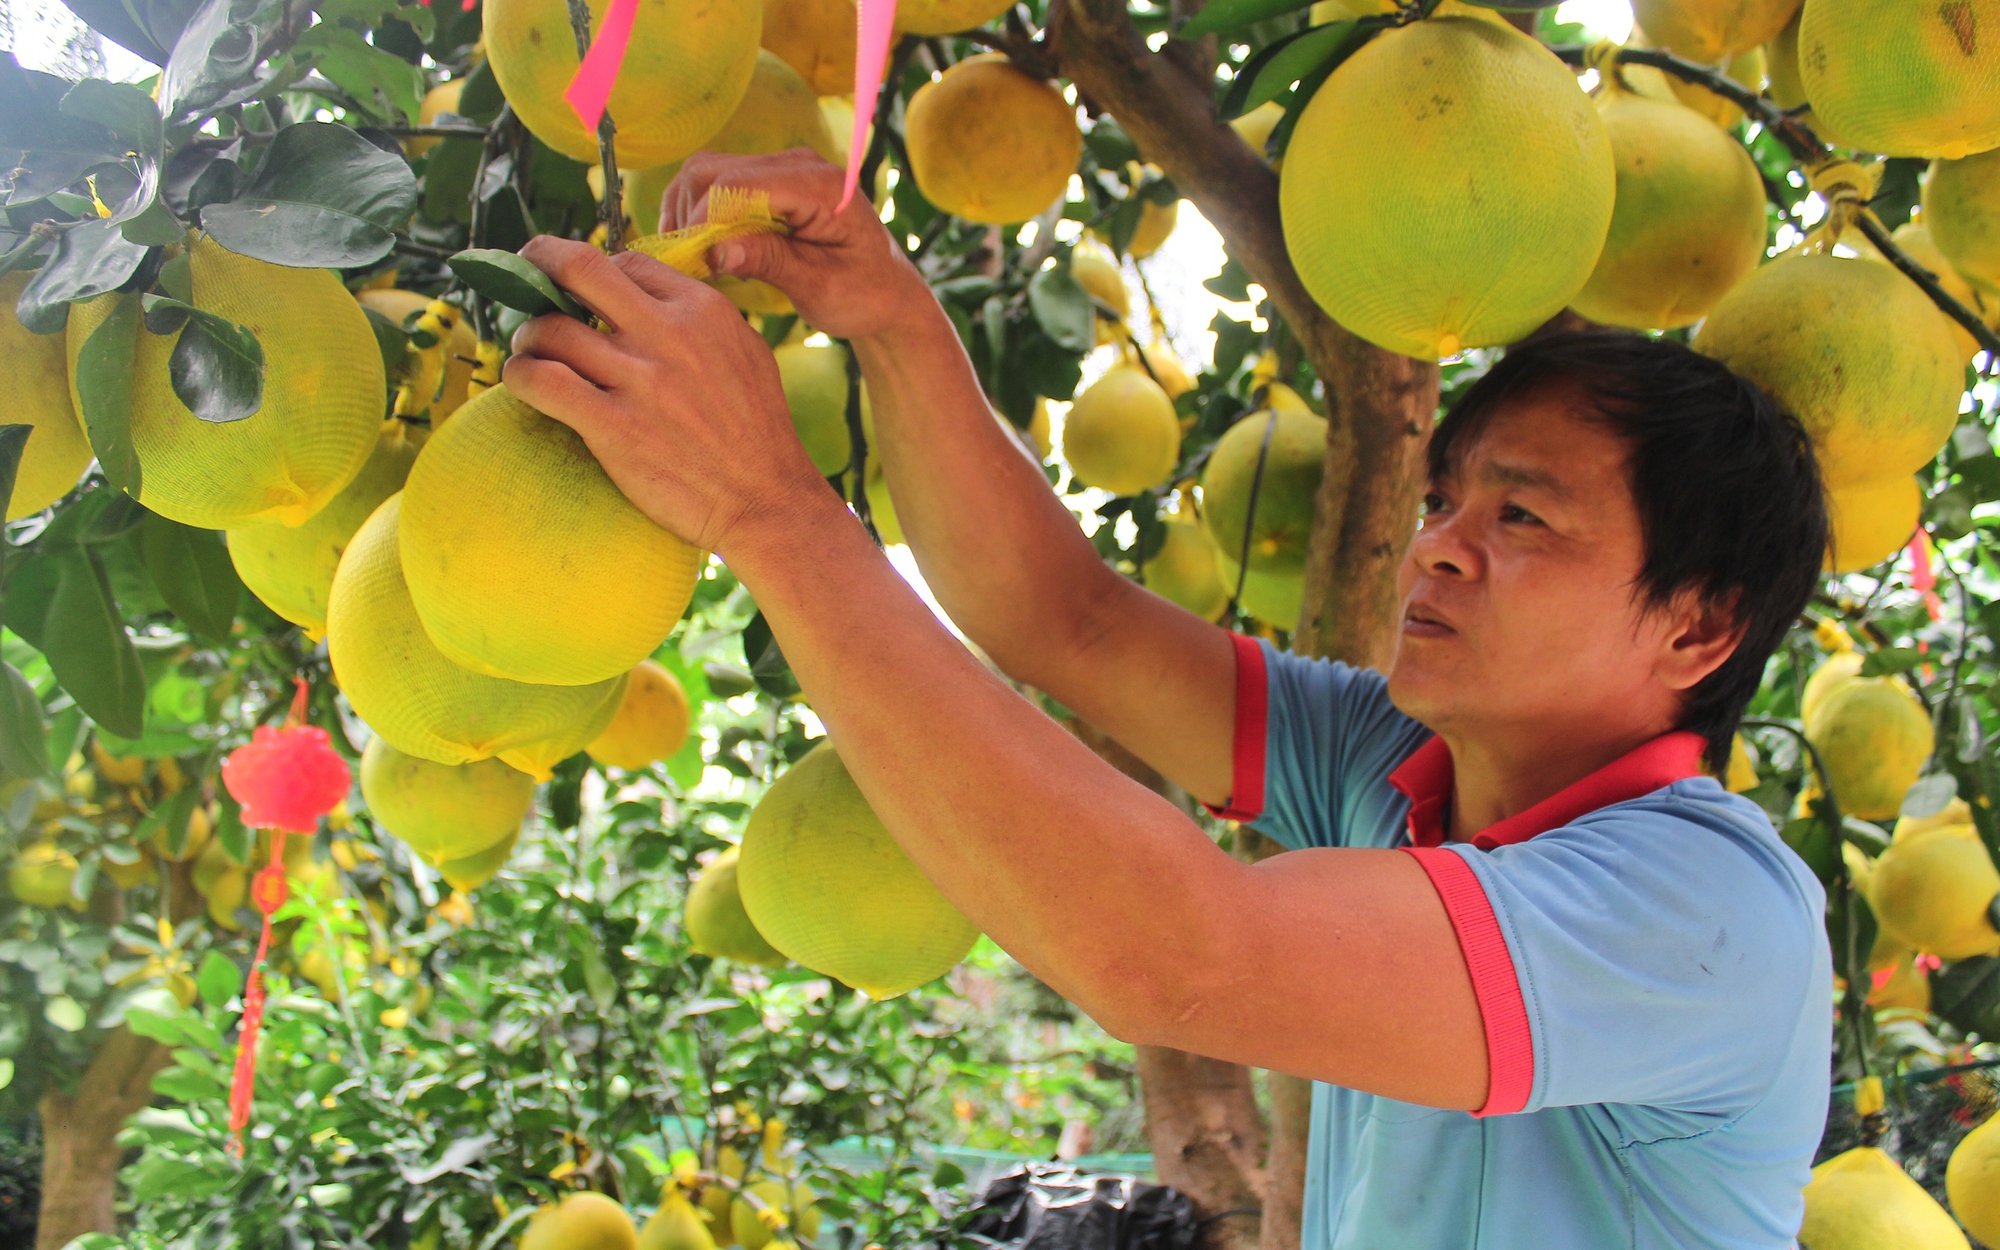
(1048, 1207)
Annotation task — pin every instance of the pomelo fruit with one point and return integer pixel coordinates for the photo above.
(1277, 599)
(1907, 989)
(1787, 87)
(815, 38)
(1183, 570)
(290, 567)
(34, 375)
(468, 874)
(686, 67)
(581, 1221)
(1863, 1200)
(651, 722)
(1871, 521)
(1428, 265)
(716, 922)
(1972, 1181)
(324, 394)
(1098, 274)
(525, 561)
(1962, 214)
(1930, 892)
(442, 98)
(824, 882)
(41, 874)
(1919, 244)
(444, 811)
(815, 382)
(989, 143)
(461, 347)
(1122, 434)
(1903, 79)
(1255, 126)
(946, 17)
(1873, 737)
(1167, 369)
(1293, 467)
(676, 1225)
(1688, 222)
(1831, 674)
(411, 694)
(1710, 30)
(795, 1205)
(1857, 353)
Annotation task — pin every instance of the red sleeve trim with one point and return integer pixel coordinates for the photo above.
(1253, 702)
(1510, 1047)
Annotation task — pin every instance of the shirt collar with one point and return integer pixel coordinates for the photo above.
(1426, 778)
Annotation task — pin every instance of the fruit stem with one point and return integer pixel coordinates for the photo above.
(1807, 149)
(610, 208)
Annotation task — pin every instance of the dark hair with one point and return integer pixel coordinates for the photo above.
(1728, 491)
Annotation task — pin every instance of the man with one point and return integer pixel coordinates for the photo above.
(1561, 990)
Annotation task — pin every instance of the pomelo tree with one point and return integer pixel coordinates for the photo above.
(171, 249)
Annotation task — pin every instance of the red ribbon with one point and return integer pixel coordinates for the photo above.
(1921, 577)
(590, 91)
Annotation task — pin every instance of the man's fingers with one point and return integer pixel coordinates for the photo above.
(588, 274)
(802, 185)
(565, 340)
(659, 280)
(554, 388)
(767, 257)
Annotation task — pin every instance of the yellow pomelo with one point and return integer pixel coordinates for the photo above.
(815, 382)
(1274, 598)
(778, 112)
(1167, 369)
(1183, 570)
(222, 881)
(119, 770)
(1873, 736)
(1833, 673)
(1038, 429)
(686, 67)
(1293, 467)
(1781, 65)
(825, 883)
(1122, 434)
(1962, 212)
(198, 832)
(651, 722)
(1862, 1200)
(1709, 30)
(444, 811)
(1745, 67)
(324, 395)
(1156, 221)
(1742, 773)
(1325, 11)
(815, 38)
(1871, 522)
(676, 1225)
(1857, 353)
(1953, 814)
(1904, 79)
(468, 874)
(1255, 126)
(442, 98)
(425, 705)
(34, 375)
(1972, 1182)
(1426, 265)
(290, 567)
(989, 143)
(716, 922)
(1931, 891)
(1688, 223)
(748, 1226)
(881, 506)
(41, 875)
(946, 17)
(461, 349)
(523, 558)
(1098, 275)
(581, 1221)
(1918, 242)
(138, 872)
(1907, 989)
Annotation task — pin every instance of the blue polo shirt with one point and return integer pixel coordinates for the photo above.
(1651, 970)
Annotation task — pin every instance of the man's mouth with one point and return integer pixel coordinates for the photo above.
(1422, 622)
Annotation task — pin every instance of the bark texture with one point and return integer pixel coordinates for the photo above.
(80, 1153)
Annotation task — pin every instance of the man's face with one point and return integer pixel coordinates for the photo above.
(1519, 611)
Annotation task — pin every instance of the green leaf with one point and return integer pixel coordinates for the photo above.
(177, 277)
(1891, 660)
(91, 259)
(382, 84)
(1222, 15)
(1278, 65)
(230, 830)
(597, 979)
(13, 441)
(124, 110)
(219, 980)
(104, 369)
(217, 366)
(89, 650)
(154, 226)
(194, 574)
(1063, 308)
(449, 171)
(1967, 994)
(170, 817)
(1109, 144)
(32, 120)
(1310, 82)
(24, 744)
(218, 60)
(508, 280)
(324, 197)
(390, 339)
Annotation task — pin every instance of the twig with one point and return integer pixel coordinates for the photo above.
(1806, 148)
(408, 246)
(611, 208)
(435, 132)
(885, 103)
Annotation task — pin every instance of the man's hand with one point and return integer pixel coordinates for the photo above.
(677, 398)
(843, 271)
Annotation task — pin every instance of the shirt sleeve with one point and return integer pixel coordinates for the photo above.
(1307, 732)
(1659, 954)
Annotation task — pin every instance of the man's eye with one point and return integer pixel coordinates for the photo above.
(1516, 513)
(1434, 503)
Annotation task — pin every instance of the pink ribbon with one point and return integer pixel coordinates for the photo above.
(876, 22)
(1921, 578)
(590, 90)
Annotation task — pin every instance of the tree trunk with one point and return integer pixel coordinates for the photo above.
(80, 1154)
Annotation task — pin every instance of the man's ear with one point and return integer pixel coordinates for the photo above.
(1703, 637)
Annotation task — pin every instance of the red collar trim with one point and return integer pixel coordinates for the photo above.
(1426, 778)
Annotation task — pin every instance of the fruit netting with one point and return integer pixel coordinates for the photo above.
(1927, 1114)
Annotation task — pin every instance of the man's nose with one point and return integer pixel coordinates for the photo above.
(1441, 548)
